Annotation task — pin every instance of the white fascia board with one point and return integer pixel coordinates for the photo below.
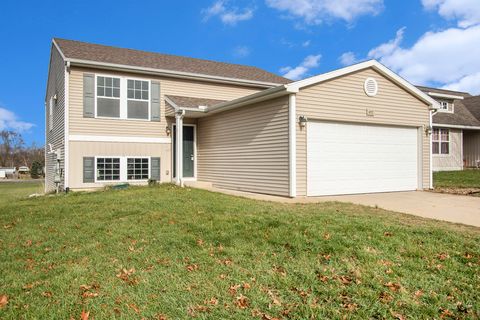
(454, 126)
(170, 73)
(364, 65)
(92, 138)
(446, 96)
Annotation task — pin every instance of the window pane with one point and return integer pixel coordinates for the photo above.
(445, 135)
(435, 135)
(144, 85)
(116, 82)
(435, 148)
(138, 94)
(145, 95)
(108, 82)
(137, 109)
(108, 92)
(130, 84)
(116, 93)
(131, 94)
(445, 148)
(138, 85)
(108, 107)
(101, 81)
(100, 91)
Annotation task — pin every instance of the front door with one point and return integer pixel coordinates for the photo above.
(188, 151)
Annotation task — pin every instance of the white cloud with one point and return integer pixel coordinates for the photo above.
(306, 43)
(229, 16)
(470, 83)
(348, 58)
(300, 71)
(317, 11)
(466, 12)
(241, 51)
(388, 47)
(9, 121)
(448, 57)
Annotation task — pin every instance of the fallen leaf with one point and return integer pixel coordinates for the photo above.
(192, 267)
(84, 315)
(3, 301)
(385, 297)
(212, 301)
(445, 313)
(134, 307)
(246, 286)
(222, 276)
(233, 289)
(392, 286)
(418, 293)
(326, 236)
(443, 256)
(389, 271)
(468, 255)
(345, 280)
(200, 242)
(387, 234)
(47, 294)
(241, 302)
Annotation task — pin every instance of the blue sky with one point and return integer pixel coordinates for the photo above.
(434, 42)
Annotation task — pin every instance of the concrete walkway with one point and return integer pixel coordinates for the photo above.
(439, 206)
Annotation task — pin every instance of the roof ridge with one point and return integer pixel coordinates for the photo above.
(446, 90)
(164, 54)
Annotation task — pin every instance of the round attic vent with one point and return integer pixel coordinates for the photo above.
(371, 87)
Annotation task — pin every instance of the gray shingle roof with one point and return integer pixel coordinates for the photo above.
(466, 111)
(114, 55)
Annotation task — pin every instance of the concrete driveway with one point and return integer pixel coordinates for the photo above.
(440, 206)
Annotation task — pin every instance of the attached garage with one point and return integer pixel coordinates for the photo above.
(348, 158)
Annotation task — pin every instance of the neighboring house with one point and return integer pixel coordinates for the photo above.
(456, 130)
(6, 172)
(115, 115)
(23, 170)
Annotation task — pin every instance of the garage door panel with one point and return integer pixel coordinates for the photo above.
(351, 158)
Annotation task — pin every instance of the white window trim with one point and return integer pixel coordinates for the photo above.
(123, 170)
(126, 168)
(440, 141)
(123, 97)
(448, 105)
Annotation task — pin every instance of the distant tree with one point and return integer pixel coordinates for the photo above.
(36, 170)
(11, 145)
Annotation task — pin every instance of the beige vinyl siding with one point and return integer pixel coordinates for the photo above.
(246, 148)
(453, 160)
(56, 137)
(471, 148)
(138, 128)
(78, 150)
(343, 99)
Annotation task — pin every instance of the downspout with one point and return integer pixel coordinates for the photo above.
(430, 151)
(66, 148)
(179, 114)
(292, 144)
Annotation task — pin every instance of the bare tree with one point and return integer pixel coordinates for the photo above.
(11, 145)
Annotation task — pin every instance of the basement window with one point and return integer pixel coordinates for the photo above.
(108, 169)
(137, 168)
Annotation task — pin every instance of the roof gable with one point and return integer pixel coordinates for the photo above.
(82, 51)
(377, 66)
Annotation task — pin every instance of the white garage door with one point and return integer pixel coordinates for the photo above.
(350, 158)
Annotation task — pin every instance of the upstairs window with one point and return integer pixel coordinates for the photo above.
(441, 141)
(137, 99)
(108, 97)
(445, 106)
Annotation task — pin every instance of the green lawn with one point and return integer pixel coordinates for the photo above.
(15, 190)
(457, 179)
(169, 253)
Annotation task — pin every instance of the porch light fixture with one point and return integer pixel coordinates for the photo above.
(302, 120)
(168, 130)
(428, 130)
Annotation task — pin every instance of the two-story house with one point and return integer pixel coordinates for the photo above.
(116, 115)
(456, 130)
